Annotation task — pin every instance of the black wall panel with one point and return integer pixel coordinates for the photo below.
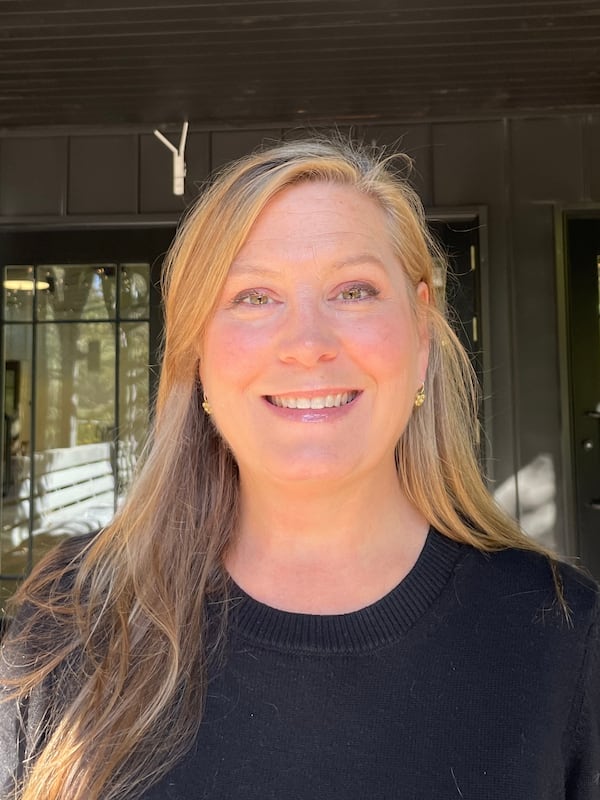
(547, 159)
(33, 176)
(470, 169)
(198, 163)
(415, 141)
(537, 398)
(547, 167)
(592, 160)
(156, 172)
(103, 174)
(469, 164)
(534, 304)
(229, 145)
(518, 169)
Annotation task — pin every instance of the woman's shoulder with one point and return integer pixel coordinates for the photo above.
(43, 634)
(529, 582)
(31, 656)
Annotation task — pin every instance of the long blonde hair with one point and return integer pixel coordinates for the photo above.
(125, 625)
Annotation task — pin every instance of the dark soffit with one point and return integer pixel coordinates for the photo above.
(103, 62)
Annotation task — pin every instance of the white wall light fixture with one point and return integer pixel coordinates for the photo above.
(178, 158)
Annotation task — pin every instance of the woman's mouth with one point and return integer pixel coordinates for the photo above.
(316, 402)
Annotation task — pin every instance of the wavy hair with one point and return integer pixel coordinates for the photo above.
(130, 627)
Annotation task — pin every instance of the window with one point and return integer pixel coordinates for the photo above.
(76, 353)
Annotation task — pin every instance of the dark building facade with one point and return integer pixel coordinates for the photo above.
(525, 191)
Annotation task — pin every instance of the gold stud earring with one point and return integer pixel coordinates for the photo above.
(420, 396)
(206, 406)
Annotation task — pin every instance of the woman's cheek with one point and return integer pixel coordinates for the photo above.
(235, 350)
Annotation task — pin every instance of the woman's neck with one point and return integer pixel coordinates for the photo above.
(324, 550)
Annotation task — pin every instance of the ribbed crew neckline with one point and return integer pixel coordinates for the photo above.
(381, 623)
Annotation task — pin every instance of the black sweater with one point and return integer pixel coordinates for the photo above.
(466, 681)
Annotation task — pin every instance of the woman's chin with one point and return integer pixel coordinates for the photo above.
(303, 470)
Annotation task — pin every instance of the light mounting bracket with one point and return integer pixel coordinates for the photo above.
(178, 158)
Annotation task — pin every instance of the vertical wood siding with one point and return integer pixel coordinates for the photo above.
(517, 168)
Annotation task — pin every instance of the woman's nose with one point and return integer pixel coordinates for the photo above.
(307, 334)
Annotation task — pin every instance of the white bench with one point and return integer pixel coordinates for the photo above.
(73, 492)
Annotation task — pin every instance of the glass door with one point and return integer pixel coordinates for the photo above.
(583, 307)
(78, 341)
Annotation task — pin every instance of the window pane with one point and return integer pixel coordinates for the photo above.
(75, 423)
(133, 399)
(16, 443)
(62, 460)
(77, 291)
(135, 291)
(18, 293)
(75, 384)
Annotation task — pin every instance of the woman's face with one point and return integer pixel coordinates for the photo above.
(313, 357)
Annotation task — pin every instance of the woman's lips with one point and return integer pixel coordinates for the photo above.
(316, 401)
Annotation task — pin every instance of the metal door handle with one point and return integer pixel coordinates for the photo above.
(594, 504)
(593, 414)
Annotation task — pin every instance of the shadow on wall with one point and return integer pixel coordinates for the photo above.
(535, 503)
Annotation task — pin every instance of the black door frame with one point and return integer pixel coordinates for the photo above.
(478, 214)
(447, 214)
(562, 214)
(82, 226)
(23, 226)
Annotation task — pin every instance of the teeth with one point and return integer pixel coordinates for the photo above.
(324, 401)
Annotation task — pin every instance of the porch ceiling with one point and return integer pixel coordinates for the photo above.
(228, 62)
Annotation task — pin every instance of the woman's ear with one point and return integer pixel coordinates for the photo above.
(423, 300)
(423, 293)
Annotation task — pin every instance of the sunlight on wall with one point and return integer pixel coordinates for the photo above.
(534, 504)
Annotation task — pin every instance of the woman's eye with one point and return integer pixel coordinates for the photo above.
(253, 298)
(358, 292)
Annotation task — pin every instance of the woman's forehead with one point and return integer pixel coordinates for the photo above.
(318, 216)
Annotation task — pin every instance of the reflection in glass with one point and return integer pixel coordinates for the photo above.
(16, 443)
(76, 401)
(17, 404)
(78, 291)
(75, 384)
(133, 398)
(135, 291)
(75, 421)
(18, 288)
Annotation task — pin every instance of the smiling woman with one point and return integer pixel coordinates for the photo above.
(309, 585)
(335, 320)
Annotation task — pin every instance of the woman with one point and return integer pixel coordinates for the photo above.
(309, 592)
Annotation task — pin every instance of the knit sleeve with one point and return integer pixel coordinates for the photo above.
(26, 722)
(583, 778)
(9, 744)
(22, 719)
(13, 722)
